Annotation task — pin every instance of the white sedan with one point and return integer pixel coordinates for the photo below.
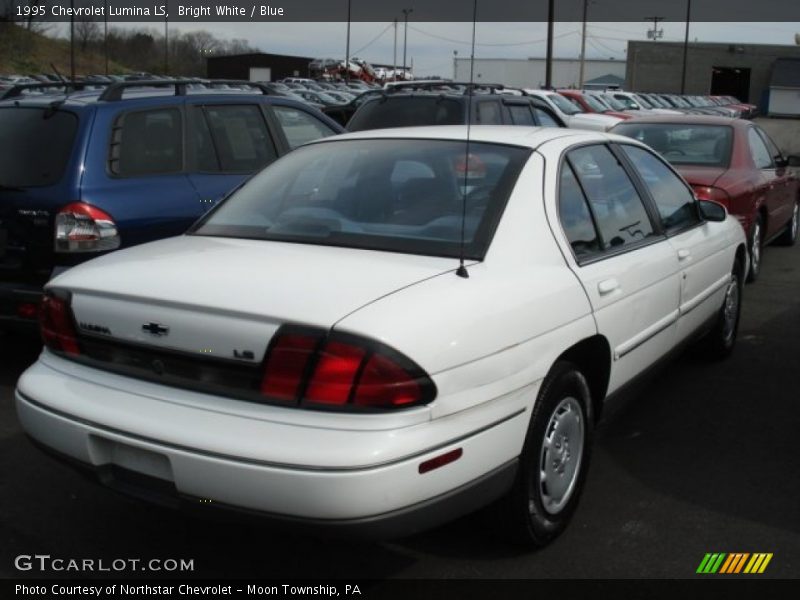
(386, 330)
(572, 114)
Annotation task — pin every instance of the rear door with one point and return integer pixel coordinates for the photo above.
(770, 187)
(226, 144)
(784, 184)
(626, 265)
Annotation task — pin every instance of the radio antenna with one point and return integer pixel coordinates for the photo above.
(462, 270)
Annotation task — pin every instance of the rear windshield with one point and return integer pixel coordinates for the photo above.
(35, 145)
(406, 111)
(682, 144)
(396, 195)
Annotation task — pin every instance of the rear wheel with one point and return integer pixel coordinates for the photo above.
(755, 245)
(789, 237)
(554, 460)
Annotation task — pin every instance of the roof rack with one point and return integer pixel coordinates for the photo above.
(422, 85)
(67, 87)
(114, 91)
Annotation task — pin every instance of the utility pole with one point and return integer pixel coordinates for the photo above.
(347, 51)
(105, 32)
(548, 71)
(406, 12)
(686, 45)
(583, 45)
(655, 33)
(166, 46)
(394, 57)
(72, 42)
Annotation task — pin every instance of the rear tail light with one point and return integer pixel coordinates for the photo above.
(714, 194)
(81, 227)
(342, 372)
(57, 326)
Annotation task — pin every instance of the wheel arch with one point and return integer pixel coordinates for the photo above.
(592, 356)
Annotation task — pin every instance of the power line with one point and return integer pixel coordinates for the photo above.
(453, 41)
(373, 40)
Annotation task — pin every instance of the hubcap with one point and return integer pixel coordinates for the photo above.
(730, 310)
(755, 249)
(561, 455)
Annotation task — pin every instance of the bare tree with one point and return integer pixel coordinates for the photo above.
(86, 32)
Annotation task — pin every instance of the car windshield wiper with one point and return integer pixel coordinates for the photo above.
(10, 188)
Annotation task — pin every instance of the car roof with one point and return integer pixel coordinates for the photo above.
(513, 135)
(691, 120)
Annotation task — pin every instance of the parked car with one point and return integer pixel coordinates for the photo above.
(571, 113)
(591, 103)
(733, 162)
(391, 310)
(88, 172)
(418, 104)
(633, 101)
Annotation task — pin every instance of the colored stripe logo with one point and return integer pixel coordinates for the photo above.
(734, 563)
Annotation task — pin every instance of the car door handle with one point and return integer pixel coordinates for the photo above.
(684, 254)
(607, 286)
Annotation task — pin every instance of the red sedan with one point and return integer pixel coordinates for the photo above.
(733, 162)
(593, 104)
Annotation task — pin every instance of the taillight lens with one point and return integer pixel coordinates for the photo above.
(56, 324)
(703, 192)
(81, 227)
(342, 372)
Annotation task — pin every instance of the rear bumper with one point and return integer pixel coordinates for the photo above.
(169, 452)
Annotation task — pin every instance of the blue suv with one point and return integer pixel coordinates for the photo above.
(84, 172)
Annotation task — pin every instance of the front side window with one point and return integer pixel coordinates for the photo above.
(397, 195)
(620, 214)
(147, 142)
(675, 202)
(299, 127)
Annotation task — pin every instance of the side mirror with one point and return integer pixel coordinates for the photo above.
(793, 160)
(712, 211)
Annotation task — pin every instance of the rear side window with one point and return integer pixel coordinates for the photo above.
(147, 142)
(619, 211)
(299, 127)
(488, 113)
(407, 111)
(240, 136)
(26, 159)
(759, 150)
(573, 212)
(544, 117)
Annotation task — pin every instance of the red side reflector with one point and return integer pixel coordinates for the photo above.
(335, 374)
(27, 310)
(58, 331)
(286, 366)
(440, 461)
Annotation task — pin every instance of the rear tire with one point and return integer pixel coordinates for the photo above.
(755, 246)
(553, 463)
(722, 338)
(789, 237)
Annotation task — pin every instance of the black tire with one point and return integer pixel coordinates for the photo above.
(722, 338)
(755, 248)
(789, 236)
(524, 514)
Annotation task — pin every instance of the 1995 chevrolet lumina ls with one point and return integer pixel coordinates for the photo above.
(311, 351)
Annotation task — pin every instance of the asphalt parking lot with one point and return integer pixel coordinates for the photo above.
(706, 458)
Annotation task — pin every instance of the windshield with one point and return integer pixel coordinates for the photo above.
(644, 102)
(682, 144)
(613, 102)
(25, 161)
(397, 195)
(407, 111)
(627, 103)
(563, 104)
(595, 104)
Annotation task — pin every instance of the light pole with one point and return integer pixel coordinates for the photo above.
(406, 12)
(347, 50)
(686, 45)
(548, 69)
(394, 58)
(72, 42)
(583, 44)
(166, 46)
(105, 33)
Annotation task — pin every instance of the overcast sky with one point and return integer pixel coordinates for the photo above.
(431, 45)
